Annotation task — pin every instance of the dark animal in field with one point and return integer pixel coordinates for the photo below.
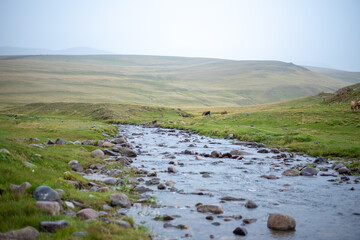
(354, 105)
(206, 113)
(224, 112)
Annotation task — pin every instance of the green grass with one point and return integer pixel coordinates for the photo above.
(151, 80)
(52, 170)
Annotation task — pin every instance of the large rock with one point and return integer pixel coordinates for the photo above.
(308, 171)
(88, 142)
(291, 173)
(97, 153)
(120, 140)
(45, 193)
(76, 166)
(240, 231)
(239, 152)
(281, 222)
(215, 154)
(108, 145)
(171, 169)
(343, 170)
(47, 226)
(320, 160)
(110, 153)
(120, 200)
(128, 152)
(214, 208)
(87, 213)
(110, 181)
(26, 233)
(52, 208)
(19, 189)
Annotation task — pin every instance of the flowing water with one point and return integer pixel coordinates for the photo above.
(322, 209)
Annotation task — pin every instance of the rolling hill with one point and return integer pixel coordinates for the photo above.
(156, 80)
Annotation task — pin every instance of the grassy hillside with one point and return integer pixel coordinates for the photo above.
(150, 80)
(351, 77)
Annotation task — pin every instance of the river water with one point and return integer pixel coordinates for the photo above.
(322, 209)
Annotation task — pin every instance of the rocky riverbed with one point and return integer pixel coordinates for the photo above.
(224, 189)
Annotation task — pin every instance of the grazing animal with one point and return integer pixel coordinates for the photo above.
(206, 113)
(224, 112)
(354, 105)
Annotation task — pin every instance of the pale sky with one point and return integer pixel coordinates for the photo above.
(309, 32)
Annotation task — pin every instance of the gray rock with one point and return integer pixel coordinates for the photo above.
(52, 208)
(214, 208)
(5, 151)
(105, 135)
(291, 173)
(79, 234)
(107, 145)
(339, 165)
(271, 176)
(161, 186)
(97, 153)
(172, 169)
(308, 171)
(35, 145)
(88, 142)
(48, 226)
(128, 152)
(110, 181)
(60, 141)
(26, 233)
(19, 189)
(142, 189)
(45, 193)
(275, 150)
(320, 160)
(227, 198)
(87, 213)
(343, 170)
(124, 224)
(76, 166)
(251, 204)
(263, 151)
(29, 165)
(69, 205)
(239, 152)
(281, 222)
(240, 231)
(120, 140)
(215, 154)
(103, 189)
(121, 200)
(110, 153)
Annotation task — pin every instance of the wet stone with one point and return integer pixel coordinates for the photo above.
(161, 186)
(240, 231)
(249, 220)
(281, 222)
(171, 169)
(213, 208)
(271, 176)
(308, 171)
(251, 204)
(291, 173)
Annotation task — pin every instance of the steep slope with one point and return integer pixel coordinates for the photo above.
(155, 80)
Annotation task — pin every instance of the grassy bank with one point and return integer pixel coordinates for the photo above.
(51, 169)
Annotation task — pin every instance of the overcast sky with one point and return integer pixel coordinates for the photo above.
(313, 32)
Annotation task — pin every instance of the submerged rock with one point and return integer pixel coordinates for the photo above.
(308, 171)
(281, 222)
(214, 208)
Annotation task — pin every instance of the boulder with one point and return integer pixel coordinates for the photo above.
(121, 200)
(271, 176)
(281, 222)
(171, 169)
(343, 170)
(320, 160)
(19, 189)
(338, 165)
(251, 204)
(48, 226)
(215, 154)
(264, 150)
(26, 233)
(76, 166)
(128, 152)
(120, 140)
(45, 193)
(239, 152)
(142, 189)
(87, 213)
(108, 145)
(161, 186)
(52, 208)
(110, 153)
(97, 153)
(213, 208)
(240, 231)
(308, 171)
(110, 181)
(291, 173)
(88, 142)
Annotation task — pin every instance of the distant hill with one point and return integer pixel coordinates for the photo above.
(156, 80)
(10, 51)
(351, 77)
